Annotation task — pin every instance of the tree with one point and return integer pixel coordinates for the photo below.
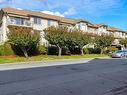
(56, 36)
(23, 37)
(124, 42)
(103, 41)
(78, 38)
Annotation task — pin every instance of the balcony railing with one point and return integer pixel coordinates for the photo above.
(25, 23)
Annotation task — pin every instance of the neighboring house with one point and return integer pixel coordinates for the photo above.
(39, 21)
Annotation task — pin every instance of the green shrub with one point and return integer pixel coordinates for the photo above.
(96, 51)
(24, 38)
(52, 50)
(74, 50)
(42, 49)
(86, 51)
(66, 51)
(6, 50)
(110, 50)
(1, 50)
(92, 50)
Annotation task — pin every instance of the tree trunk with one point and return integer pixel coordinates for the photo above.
(60, 50)
(25, 52)
(101, 50)
(82, 53)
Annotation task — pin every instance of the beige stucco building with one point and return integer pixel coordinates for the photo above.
(39, 21)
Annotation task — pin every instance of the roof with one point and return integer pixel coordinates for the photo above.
(114, 29)
(96, 25)
(43, 15)
(28, 13)
(92, 25)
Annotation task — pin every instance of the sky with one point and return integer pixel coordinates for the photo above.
(109, 12)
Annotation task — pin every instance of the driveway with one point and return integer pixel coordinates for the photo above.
(91, 77)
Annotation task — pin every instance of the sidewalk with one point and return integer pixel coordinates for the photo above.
(24, 65)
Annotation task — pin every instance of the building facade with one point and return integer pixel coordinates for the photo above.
(39, 21)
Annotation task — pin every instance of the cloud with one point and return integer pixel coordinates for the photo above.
(88, 7)
(53, 13)
(1, 1)
(4, 1)
(69, 7)
(69, 12)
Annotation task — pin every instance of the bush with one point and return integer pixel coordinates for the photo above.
(66, 51)
(1, 50)
(110, 50)
(42, 49)
(97, 51)
(92, 50)
(25, 38)
(52, 50)
(74, 50)
(6, 50)
(86, 51)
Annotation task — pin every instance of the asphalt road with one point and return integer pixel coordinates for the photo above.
(96, 77)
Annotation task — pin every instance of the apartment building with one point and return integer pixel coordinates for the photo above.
(39, 21)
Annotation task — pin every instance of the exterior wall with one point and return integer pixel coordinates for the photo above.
(92, 30)
(82, 26)
(4, 28)
(41, 27)
(45, 23)
(1, 27)
(102, 30)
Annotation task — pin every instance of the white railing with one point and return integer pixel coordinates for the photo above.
(25, 23)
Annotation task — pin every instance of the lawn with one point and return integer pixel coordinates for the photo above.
(46, 57)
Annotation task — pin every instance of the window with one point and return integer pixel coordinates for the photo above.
(37, 20)
(123, 34)
(51, 22)
(80, 25)
(16, 20)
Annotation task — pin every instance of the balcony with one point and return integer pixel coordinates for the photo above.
(18, 23)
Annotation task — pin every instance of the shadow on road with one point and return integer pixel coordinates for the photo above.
(11, 76)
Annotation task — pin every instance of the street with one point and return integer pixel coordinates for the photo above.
(95, 77)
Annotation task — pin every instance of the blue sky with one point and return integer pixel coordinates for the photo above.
(110, 12)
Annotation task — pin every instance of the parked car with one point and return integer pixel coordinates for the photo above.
(119, 54)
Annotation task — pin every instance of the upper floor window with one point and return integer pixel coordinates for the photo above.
(51, 22)
(80, 25)
(16, 20)
(123, 34)
(37, 20)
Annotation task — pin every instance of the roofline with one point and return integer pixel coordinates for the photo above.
(56, 18)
